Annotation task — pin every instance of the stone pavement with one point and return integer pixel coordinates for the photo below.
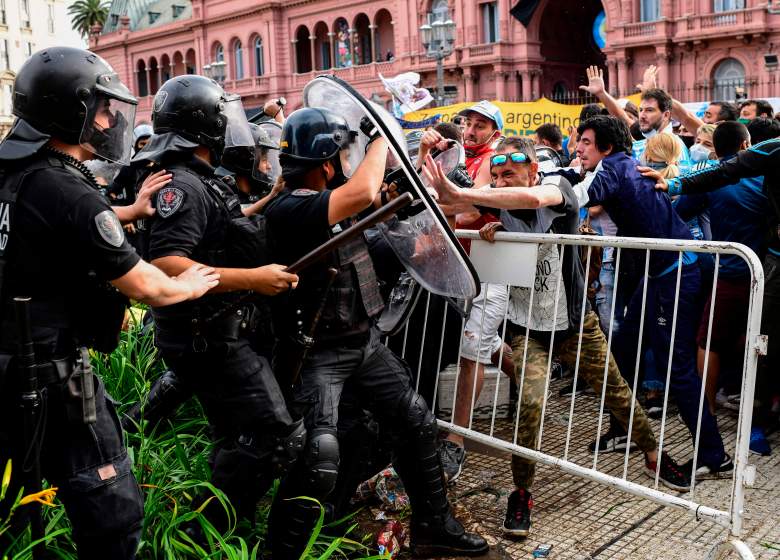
(584, 520)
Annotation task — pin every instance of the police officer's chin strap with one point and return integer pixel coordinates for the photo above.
(338, 178)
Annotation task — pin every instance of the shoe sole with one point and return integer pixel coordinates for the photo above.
(760, 454)
(651, 474)
(515, 532)
(714, 476)
(438, 551)
(616, 448)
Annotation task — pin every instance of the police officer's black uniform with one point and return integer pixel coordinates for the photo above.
(205, 342)
(60, 244)
(347, 351)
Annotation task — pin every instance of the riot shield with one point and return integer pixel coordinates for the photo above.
(422, 240)
(274, 130)
(399, 306)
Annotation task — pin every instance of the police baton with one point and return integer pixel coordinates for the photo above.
(31, 409)
(351, 233)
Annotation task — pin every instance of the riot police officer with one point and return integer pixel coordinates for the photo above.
(206, 343)
(63, 246)
(319, 199)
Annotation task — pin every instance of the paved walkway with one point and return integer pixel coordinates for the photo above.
(584, 520)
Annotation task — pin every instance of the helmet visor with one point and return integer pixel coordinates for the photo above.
(237, 131)
(263, 168)
(108, 129)
(272, 154)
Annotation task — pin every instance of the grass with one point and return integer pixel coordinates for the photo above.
(171, 465)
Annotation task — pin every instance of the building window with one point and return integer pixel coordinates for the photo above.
(51, 18)
(28, 48)
(728, 5)
(219, 53)
(489, 22)
(259, 69)
(2, 12)
(153, 16)
(177, 10)
(238, 60)
(4, 60)
(729, 76)
(24, 13)
(649, 10)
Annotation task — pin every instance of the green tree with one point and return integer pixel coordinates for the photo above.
(86, 13)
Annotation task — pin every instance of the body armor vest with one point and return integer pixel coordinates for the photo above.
(94, 320)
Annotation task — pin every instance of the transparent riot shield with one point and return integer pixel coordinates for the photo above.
(421, 239)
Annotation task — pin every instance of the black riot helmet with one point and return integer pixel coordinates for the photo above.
(253, 162)
(312, 136)
(75, 96)
(198, 109)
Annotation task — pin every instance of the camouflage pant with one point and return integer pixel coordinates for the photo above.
(592, 358)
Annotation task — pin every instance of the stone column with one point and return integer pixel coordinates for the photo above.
(613, 78)
(622, 72)
(536, 84)
(525, 76)
(511, 86)
(332, 40)
(294, 48)
(375, 57)
(468, 78)
(500, 84)
(312, 38)
(663, 57)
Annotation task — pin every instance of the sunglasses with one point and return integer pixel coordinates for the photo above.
(516, 157)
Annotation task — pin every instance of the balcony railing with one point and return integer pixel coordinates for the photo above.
(643, 29)
(361, 72)
(733, 22)
(482, 50)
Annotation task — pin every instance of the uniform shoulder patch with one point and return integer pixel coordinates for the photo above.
(169, 200)
(109, 228)
(303, 192)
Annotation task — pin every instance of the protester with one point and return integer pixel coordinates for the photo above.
(549, 134)
(528, 203)
(639, 211)
(754, 108)
(763, 128)
(703, 150)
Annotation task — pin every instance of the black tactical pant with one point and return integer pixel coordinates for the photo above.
(381, 382)
(247, 411)
(87, 463)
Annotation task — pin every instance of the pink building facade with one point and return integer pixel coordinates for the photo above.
(262, 49)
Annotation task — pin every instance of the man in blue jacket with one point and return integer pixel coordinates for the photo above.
(639, 210)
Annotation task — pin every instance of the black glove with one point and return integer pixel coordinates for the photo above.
(368, 128)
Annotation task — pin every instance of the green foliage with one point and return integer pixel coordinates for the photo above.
(86, 13)
(171, 465)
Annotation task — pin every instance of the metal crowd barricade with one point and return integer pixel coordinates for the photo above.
(486, 433)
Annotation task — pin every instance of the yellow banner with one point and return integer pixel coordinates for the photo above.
(520, 119)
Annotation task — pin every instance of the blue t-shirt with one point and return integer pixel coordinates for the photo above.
(637, 208)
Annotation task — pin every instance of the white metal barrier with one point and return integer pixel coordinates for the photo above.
(487, 432)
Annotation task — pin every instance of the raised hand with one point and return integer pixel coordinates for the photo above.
(649, 78)
(142, 207)
(436, 177)
(596, 84)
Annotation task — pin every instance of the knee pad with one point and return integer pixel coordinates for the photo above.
(419, 418)
(289, 448)
(322, 462)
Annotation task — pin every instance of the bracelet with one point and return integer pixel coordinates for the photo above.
(277, 112)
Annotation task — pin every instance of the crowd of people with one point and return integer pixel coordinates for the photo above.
(213, 211)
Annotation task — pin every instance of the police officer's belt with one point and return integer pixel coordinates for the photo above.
(54, 372)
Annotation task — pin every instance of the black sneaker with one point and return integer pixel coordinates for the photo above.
(453, 457)
(671, 474)
(612, 442)
(517, 522)
(705, 471)
(655, 407)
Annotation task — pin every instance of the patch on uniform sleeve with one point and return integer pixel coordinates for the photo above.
(169, 200)
(303, 192)
(109, 228)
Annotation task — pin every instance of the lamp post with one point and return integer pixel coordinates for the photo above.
(437, 39)
(215, 70)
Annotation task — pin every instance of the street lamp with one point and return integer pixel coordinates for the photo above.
(437, 39)
(215, 70)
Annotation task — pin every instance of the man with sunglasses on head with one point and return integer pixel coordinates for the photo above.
(526, 203)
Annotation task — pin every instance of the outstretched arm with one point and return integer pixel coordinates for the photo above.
(597, 88)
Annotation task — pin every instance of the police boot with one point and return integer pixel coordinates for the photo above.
(291, 524)
(165, 395)
(434, 530)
